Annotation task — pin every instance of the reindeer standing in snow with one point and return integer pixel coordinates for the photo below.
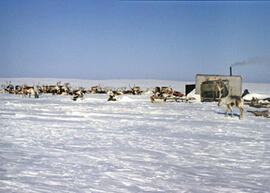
(229, 101)
(30, 90)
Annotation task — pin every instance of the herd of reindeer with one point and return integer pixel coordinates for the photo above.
(161, 93)
(65, 89)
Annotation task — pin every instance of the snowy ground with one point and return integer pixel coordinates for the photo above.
(53, 144)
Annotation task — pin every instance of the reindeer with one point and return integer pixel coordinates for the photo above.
(78, 93)
(65, 89)
(135, 90)
(18, 89)
(229, 101)
(30, 90)
(26, 90)
(52, 89)
(97, 90)
(9, 88)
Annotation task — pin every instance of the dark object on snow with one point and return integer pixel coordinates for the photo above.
(111, 98)
(266, 99)
(75, 97)
(189, 88)
(157, 91)
(245, 93)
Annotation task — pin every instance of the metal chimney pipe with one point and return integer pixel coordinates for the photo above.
(230, 71)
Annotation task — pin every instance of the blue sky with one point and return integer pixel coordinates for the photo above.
(105, 39)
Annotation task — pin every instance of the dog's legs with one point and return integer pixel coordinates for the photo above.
(241, 112)
(230, 107)
(227, 110)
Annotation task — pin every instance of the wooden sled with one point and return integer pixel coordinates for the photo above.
(260, 113)
(158, 99)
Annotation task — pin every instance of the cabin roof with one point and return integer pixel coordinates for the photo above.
(218, 75)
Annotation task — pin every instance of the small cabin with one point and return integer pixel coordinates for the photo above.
(206, 86)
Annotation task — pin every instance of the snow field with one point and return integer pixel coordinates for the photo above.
(54, 144)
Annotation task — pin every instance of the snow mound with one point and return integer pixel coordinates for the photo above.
(193, 96)
(255, 95)
(125, 99)
(148, 92)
